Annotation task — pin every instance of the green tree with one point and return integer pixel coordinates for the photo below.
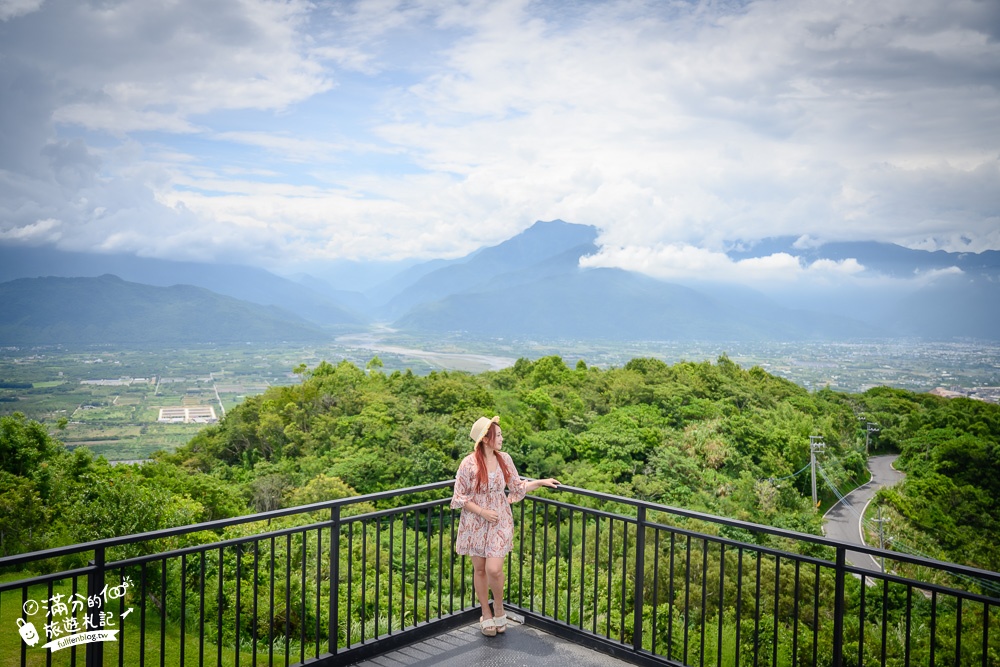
(321, 488)
(24, 444)
(23, 516)
(111, 502)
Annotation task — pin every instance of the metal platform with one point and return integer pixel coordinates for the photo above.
(520, 646)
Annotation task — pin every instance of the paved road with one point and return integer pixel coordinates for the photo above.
(843, 520)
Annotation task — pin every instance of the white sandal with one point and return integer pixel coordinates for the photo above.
(501, 623)
(488, 626)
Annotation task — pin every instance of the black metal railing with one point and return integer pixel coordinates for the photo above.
(251, 591)
(652, 584)
(663, 586)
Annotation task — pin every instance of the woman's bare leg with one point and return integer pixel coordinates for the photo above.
(480, 582)
(495, 577)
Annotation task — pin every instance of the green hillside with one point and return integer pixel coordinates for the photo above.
(709, 437)
(68, 311)
(702, 436)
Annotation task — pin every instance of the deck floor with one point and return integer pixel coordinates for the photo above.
(520, 646)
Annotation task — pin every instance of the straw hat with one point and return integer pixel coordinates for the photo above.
(480, 428)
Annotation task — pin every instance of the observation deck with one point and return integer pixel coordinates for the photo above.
(598, 579)
(521, 645)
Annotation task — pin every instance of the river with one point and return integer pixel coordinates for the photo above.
(459, 361)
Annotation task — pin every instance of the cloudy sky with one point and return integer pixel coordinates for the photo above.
(273, 132)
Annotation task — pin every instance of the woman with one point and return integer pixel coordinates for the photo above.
(486, 528)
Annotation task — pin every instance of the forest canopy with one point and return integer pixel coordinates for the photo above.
(711, 437)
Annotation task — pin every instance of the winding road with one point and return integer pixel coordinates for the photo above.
(843, 520)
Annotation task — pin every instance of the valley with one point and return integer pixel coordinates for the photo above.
(538, 285)
(111, 397)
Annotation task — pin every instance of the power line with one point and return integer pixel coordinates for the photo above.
(903, 547)
(780, 479)
(840, 496)
(899, 545)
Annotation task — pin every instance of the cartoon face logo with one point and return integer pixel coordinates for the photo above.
(28, 632)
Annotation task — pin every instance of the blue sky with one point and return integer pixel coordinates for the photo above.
(279, 133)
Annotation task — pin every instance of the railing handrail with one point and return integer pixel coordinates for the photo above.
(636, 580)
(790, 534)
(956, 568)
(18, 559)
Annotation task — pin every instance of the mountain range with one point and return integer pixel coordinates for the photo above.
(107, 309)
(886, 258)
(529, 286)
(246, 283)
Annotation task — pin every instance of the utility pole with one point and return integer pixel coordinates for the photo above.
(815, 444)
(881, 536)
(870, 427)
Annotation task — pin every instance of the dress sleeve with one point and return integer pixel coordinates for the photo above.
(518, 487)
(465, 484)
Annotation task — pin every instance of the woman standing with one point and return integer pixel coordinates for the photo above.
(486, 528)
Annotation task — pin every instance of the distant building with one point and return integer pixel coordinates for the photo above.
(120, 382)
(986, 394)
(946, 393)
(199, 414)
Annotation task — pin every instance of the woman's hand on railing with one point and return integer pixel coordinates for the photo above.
(538, 483)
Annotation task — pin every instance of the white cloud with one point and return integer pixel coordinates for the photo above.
(348, 58)
(848, 266)
(288, 147)
(156, 65)
(121, 119)
(10, 9)
(385, 129)
(805, 241)
(680, 262)
(36, 233)
(783, 118)
(927, 277)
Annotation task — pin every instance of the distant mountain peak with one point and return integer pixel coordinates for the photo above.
(248, 283)
(544, 241)
(562, 229)
(107, 309)
(878, 256)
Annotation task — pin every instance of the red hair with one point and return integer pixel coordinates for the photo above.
(482, 473)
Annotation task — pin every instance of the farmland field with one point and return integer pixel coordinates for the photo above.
(110, 399)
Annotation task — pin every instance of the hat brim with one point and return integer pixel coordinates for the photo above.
(495, 420)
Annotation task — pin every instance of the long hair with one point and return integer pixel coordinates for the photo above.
(482, 473)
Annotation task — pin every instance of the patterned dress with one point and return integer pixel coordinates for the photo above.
(476, 535)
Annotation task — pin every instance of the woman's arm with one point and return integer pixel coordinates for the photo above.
(519, 487)
(465, 484)
(538, 483)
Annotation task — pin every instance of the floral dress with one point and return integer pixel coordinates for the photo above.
(476, 535)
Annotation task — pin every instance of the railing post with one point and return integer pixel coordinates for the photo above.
(94, 655)
(640, 576)
(838, 607)
(334, 579)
